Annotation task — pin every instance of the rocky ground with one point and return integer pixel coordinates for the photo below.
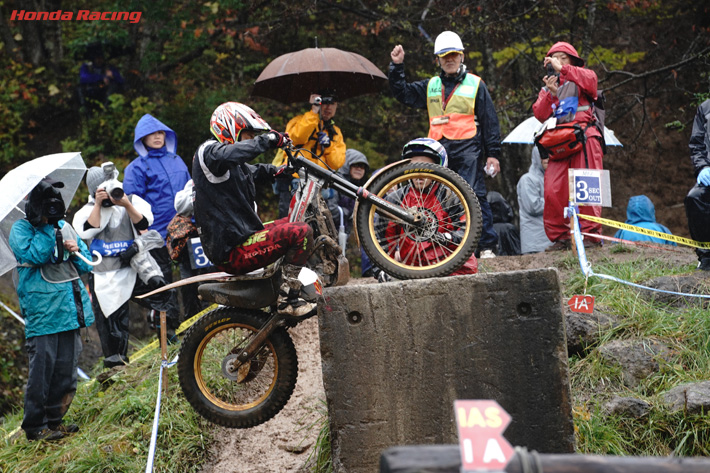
(283, 443)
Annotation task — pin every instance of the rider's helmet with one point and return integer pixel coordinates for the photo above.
(447, 42)
(230, 118)
(426, 147)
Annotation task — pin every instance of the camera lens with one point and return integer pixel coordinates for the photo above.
(116, 193)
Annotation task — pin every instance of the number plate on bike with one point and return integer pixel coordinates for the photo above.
(198, 258)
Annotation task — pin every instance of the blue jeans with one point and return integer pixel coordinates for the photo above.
(51, 382)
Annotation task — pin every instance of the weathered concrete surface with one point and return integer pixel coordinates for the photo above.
(396, 355)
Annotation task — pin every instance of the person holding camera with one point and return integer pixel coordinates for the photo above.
(568, 93)
(111, 220)
(461, 117)
(55, 306)
(316, 131)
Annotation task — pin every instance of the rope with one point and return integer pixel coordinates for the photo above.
(156, 420)
(587, 267)
(646, 231)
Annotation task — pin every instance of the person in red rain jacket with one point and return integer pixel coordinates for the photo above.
(570, 68)
(425, 194)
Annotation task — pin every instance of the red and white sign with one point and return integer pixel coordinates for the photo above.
(583, 304)
(481, 425)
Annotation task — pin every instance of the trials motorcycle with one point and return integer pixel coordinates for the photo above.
(237, 364)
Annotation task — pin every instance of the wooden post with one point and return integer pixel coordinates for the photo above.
(164, 347)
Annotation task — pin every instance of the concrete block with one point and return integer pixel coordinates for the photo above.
(396, 356)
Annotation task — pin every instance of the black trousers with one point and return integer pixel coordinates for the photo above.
(162, 257)
(697, 209)
(52, 377)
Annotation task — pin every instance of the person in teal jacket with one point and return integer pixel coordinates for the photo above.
(55, 305)
(640, 212)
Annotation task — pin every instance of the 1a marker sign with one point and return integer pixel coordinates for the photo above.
(481, 425)
(582, 304)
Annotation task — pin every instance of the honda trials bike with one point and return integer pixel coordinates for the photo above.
(237, 364)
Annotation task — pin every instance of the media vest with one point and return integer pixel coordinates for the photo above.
(455, 121)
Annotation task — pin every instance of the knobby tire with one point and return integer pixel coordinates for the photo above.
(265, 383)
(459, 198)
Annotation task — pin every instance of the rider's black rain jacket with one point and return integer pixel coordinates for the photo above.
(225, 208)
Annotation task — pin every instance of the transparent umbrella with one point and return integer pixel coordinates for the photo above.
(68, 168)
(525, 134)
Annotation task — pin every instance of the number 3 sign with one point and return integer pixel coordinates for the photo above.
(589, 187)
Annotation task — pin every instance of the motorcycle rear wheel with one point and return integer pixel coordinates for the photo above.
(252, 394)
(459, 202)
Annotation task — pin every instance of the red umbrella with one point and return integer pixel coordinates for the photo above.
(293, 77)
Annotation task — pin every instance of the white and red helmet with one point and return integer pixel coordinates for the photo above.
(230, 118)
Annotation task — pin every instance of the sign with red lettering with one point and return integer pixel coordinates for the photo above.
(583, 304)
(481, 425)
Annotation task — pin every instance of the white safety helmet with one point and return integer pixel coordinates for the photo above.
(447, 42)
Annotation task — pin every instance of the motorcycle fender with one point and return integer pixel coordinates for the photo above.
(365, 187)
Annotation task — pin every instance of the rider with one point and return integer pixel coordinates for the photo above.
(233, 236)
(426, 193)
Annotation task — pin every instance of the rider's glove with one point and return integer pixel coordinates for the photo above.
(380, 275)
(278, 139)
(127, 255)
(323, 139)
(284, 171)
(704, 177)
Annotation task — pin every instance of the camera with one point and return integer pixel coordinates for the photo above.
(53, 205)
(111, 185)
(551, 70)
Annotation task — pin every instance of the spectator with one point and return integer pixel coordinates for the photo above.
(503, 217)
(156, 176)
(110, 221)
(55, 306)
(697, 202)
(316, 131)
(531, 201)
(640, 212)
(97, 80)
(573, 81)
(232, 234)
(422, 193)
(355, 170)
(180, 231)
(461, 116)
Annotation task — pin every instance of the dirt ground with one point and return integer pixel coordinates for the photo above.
(284, 443)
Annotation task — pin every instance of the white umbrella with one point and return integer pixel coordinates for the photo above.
(525, 134)
(68, 168)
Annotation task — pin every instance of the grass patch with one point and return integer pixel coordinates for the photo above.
(594, 381)
(116, 424)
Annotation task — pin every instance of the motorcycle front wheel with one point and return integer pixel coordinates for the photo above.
(218, 387)
(447, 232)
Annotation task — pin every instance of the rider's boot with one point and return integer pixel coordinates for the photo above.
(292, 299)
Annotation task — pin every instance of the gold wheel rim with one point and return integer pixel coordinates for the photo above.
(202, 386)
